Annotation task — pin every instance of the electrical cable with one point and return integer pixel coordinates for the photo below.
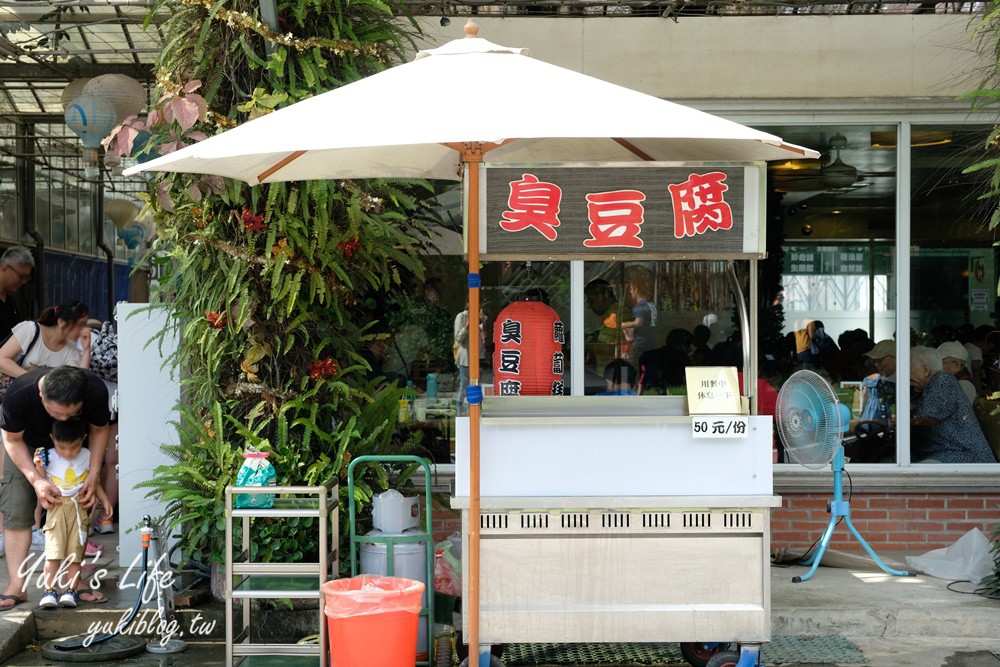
(135, 609)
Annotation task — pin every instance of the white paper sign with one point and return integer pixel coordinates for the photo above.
(713, 390)
(720, 426)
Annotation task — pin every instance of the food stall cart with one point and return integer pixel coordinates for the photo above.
(621, 519)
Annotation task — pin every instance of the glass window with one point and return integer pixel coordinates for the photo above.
(953, 290)
(661, 317)
(829, 283)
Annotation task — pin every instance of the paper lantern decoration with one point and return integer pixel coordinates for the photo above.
(73, 90)
(91, 118)
(528, 360)
(132, 236)
(126, 95)
(148, 226)
(121, 212)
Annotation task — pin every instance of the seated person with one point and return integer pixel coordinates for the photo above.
(954, 359)
(620, 377)
(954, 436)
(664, 367)
(875, 431)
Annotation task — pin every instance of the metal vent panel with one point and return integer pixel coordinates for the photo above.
(656, 520)
(534, 520)
(498, 521)
(737, 520)
(574, 520)
(697, 519)
(615, 520)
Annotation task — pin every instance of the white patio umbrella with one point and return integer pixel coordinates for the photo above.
(401, 122)
(441, 114)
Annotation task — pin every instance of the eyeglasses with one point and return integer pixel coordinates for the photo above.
(25, 277)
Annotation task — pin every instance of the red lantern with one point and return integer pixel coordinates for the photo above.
(528, 360)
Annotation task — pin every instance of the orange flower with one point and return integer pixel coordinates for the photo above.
(252, 222)
(215, 320)
(322, 368)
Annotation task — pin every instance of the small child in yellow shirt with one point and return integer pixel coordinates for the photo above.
(67, 465)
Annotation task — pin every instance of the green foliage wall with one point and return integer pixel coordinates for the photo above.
(269, 285)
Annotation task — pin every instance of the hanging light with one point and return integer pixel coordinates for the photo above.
(125, 94)
(72, 91)
(121, 212)
(132, 236)
(91, 118)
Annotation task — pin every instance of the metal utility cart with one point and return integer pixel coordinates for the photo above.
(247, 580)
(613, 519)
(424, 537)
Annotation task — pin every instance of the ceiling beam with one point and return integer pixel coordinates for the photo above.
(143, 72)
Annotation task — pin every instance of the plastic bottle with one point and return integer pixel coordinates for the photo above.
(432, 387)
(411, 396)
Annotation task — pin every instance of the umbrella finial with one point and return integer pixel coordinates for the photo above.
(471, 28)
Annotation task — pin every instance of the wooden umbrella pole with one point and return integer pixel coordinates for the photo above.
(473, 157)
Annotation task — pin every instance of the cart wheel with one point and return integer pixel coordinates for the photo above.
(494, 662)
(699, 653)
(727, 659)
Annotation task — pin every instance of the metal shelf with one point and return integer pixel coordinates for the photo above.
(247, 580)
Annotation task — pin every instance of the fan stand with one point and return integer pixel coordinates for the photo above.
(841, 508)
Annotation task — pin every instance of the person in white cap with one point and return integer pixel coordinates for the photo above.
(884, 356)
(954, 359)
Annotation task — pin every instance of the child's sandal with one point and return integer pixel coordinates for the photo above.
(69, 598)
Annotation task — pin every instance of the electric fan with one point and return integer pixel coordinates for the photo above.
(810, 423)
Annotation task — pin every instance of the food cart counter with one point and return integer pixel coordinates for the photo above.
(603, 519)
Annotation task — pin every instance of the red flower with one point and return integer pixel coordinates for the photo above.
(251, 222)
(348, 247)
(215, 320)
(322, 368)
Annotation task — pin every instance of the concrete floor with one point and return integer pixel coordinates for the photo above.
(893, 621)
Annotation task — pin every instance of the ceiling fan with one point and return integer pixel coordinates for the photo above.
(812, 176)
(838, 174)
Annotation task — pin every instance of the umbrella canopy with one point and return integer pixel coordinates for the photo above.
(397, 124)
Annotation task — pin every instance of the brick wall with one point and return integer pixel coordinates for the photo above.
(445, 521)
(888, 521)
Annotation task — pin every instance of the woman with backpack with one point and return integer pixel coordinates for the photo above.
(50, 341)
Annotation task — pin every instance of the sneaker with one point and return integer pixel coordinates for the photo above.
(49, 600)
(93, 548)
(68, 599)
(37, 540)
(105, 527)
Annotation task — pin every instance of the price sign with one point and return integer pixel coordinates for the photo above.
(725, 426)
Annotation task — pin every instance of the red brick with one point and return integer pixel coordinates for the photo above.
(962, 527)
(809, 501)
(868, 514)
(926, 526)
(937, 502)
(910, 537)
(985, 515)
(908, 515)
(888, 503)
(946, 515)
(966, 503)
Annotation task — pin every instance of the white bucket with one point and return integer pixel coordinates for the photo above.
(392, 513)
(409, 562)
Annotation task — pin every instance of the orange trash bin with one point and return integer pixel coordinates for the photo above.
(372, 620)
